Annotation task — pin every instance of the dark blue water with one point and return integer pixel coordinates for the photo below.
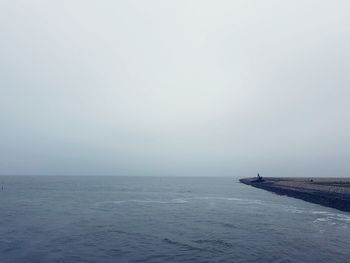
(154, 219)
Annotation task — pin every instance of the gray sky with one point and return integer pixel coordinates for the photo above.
(221, 88)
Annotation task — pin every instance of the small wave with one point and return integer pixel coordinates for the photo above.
(242, 200)
(321, 219)
(180, 244)
(332, 218)
(144, 201)
(319, 212)
(215, 242)
(172, 201)
(294, 210)
(179, 200)
(332, 215)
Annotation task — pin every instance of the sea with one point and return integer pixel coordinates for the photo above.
(162, 219)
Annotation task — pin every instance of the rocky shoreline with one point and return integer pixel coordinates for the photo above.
(330, 192)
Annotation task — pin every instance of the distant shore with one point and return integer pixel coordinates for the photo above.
(330, 192)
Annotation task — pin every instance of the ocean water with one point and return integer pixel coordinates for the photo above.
(161, 219)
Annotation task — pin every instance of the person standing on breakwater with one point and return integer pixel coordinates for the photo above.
(259, 178)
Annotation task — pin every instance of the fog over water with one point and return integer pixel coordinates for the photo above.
(219, 88)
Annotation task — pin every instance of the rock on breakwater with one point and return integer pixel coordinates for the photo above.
(331, 192)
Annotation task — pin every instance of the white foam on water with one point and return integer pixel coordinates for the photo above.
(180, 200)
(242, 200)
(321, 220)
(332, 218)
(147, 201)
(321, 217)
(319, 212)
(294, 210)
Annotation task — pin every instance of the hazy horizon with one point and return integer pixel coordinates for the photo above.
(175, 88)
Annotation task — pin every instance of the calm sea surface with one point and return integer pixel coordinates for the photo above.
(155, 219)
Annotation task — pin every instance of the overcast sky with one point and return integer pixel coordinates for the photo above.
(220, 88)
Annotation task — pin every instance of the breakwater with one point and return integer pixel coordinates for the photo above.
(331, 192)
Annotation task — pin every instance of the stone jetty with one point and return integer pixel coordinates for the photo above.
(331, 192)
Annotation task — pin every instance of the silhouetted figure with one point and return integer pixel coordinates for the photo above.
(259, 178)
